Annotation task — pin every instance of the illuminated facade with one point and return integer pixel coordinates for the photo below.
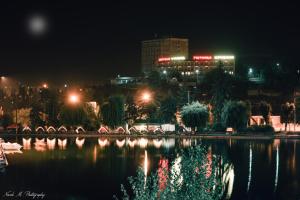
(198, 66)
(152, 50)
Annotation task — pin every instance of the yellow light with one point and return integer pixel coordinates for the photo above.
(146, 97)
(224, 57)
(178, 58)
(45, 85)
(73, 98)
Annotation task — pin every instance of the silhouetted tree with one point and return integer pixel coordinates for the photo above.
(113, 111)
(265, 110)
(234, 114)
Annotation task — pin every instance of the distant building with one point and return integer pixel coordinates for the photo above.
(164, 47)
(125, 80)
(197, 67)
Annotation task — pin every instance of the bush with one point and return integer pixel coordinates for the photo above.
(260, 129)
(235, 115)
(218, 127)
(192, 176)
(194, 115)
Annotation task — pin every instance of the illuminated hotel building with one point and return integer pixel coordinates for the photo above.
(152, 50)
(199, 65)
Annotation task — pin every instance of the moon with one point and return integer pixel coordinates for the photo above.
(37, 25)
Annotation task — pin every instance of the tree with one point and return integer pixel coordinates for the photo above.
(131, 110)
(154, 79)
(73, 115)
(113, 111)
(23, 116)
(265, 110)
(168, 108)
(287, 111)
(35, 118)
(5, 120)
(221, 91)
(194, 115)
(234, 114)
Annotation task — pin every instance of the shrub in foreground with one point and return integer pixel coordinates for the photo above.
(191, 176)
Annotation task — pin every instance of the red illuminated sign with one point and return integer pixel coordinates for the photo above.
(164, 59)
(202, 57)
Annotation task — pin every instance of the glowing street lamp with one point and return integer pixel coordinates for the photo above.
(146, 97)
(74, 99)
(45, 85)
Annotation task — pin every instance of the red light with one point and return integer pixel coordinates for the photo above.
(202, 57)
(164, 59)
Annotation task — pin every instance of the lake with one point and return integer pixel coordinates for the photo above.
(94, 168)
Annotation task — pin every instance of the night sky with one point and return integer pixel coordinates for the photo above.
(92, 41)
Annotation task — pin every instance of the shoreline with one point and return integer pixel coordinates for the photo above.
(93, 134)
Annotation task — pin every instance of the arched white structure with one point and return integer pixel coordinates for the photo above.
(158, 130)
(51, 129)
(120, 130)
(39, 129)
(102, 129)
(26, 129)
(62, 129)
(133, 130)
(79, 129)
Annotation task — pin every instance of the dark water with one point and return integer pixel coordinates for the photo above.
(93, 168)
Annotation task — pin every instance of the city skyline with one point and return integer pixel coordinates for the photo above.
(103, 40)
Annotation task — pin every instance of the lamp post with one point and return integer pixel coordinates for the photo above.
(74, 99)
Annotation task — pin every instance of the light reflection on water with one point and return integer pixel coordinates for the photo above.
(279, 173)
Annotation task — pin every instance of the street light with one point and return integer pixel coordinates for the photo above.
(74, 98)
(45, 85)
(146, 97)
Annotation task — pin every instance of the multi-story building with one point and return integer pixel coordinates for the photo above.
(152, 50)
(198, 66)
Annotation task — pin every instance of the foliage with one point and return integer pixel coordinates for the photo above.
(287, 112)
(190, 177)
(35, 118)
(265, 110)
(92, 122)
(218, 127)
(234, 114)
(73, 115)
(221, 90)
(23, 116)
(5, 120)
(260, 129)
(168, 108)
(194, 115)
(113, 111)
(131, 110)
(154, 79)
